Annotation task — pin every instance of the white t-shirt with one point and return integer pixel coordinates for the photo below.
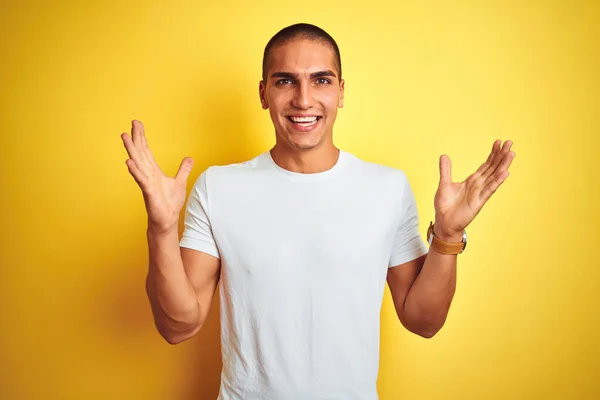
(304, 259)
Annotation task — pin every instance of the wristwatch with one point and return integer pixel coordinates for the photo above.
(446, 247)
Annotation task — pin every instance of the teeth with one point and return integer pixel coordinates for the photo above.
(304, 119)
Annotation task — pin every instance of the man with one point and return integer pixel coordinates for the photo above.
(302, 238)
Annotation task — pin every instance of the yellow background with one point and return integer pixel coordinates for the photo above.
(423, 78)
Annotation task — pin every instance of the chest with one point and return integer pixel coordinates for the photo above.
(303, 234)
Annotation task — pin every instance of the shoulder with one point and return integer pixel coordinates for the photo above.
(254, 163)
(375, 172)
(233, 171)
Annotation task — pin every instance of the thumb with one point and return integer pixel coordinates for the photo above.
(184, 170)
(445, 169)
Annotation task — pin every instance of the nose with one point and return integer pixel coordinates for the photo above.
(303, 96)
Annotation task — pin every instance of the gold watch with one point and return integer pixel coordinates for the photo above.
(446, 247)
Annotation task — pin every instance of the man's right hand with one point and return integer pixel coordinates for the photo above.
(164, 196)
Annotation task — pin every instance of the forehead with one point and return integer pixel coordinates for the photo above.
(302, 55)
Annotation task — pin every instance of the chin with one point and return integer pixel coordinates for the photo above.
(305, 146)
(305, 143)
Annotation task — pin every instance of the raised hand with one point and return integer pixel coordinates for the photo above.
(164, 196)
(457, 204)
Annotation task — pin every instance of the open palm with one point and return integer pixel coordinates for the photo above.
(164, 196)
(457, 203)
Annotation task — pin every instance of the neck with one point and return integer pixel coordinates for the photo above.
(310, 161)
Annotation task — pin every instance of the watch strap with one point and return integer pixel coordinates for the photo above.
(442, 246)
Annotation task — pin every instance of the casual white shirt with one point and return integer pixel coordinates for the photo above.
(304, 259)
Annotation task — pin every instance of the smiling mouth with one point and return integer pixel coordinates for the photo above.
(304, 121)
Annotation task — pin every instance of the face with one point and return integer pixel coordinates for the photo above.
(302, 93)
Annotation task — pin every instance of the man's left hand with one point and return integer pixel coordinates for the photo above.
(457, 204)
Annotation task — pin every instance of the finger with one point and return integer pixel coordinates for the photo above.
(503, 166)
(184, 170)
(136, 132)
(445, 170)
(132, 151)
(139, 139)
(137, 174)
(142, 133)
(497, 159)
(493, 185)
(490, 160)
(136, 154)
(138, 127)
(148, 153)
(143, 144)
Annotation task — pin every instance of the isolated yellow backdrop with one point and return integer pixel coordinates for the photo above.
(422, 79)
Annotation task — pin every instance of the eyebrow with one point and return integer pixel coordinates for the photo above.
(289, 75)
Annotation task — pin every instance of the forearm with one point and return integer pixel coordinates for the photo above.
(430, 296)
(172, 297)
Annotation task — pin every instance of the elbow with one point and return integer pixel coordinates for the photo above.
(424, 324)
(174, 337)
(427, 333)
(425, 329)
(431, 328)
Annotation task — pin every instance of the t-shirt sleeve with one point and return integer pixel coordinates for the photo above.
(408, 243)
(197, 233)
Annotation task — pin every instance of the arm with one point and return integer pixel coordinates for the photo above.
(423, 289)
(181, 282)
(180, 285)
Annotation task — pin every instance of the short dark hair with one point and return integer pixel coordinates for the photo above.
(301, 31)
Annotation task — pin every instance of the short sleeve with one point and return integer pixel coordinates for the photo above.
(408, 243)
(197, 233)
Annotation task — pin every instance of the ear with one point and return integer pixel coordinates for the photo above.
(262, 87)
(341, 99)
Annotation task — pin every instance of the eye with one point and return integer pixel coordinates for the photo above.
(323, 81)
(284, 81)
